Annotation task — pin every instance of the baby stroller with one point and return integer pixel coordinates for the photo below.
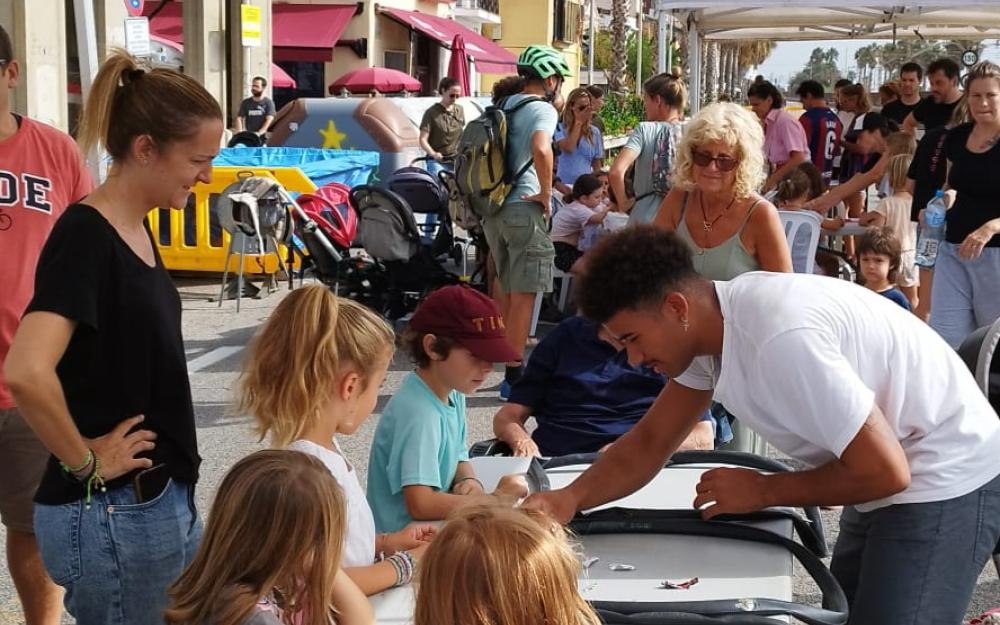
(390, 234)
(355, 277)
(426, 195)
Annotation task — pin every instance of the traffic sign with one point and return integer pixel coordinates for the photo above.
(134, 7)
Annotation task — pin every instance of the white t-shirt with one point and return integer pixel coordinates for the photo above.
(359, 544)
(896, 209)
(804, 359)
(568, 222)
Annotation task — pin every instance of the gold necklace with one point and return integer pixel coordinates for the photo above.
(705, 223)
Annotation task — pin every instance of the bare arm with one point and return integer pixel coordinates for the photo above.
(374, 578)
(794, 159)
(597, 165)
(38, 346)
(240, 126)
(508, 426)
(266, 125)
(910, 124)
(352, 605)
(871, 218)
(541, 154)
(616, 177)
(858, 182)
(872, 467)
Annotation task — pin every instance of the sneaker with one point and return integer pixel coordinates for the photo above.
(504, 390)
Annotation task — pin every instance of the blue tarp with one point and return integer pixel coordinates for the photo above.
(350, 167)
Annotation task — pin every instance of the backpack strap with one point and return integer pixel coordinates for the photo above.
(508, 112)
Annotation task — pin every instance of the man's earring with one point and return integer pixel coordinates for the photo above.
(685, 324)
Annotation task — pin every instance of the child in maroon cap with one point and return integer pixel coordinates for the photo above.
(419, 466)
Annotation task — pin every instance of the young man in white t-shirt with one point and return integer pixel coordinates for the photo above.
(830, 374)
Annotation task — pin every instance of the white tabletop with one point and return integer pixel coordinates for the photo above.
(726, 569)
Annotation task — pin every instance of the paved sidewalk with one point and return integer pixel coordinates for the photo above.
(216, 340)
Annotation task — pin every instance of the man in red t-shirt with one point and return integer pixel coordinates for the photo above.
(41, 173)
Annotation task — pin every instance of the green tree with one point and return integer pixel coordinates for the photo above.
(648, 56)
(821, 66)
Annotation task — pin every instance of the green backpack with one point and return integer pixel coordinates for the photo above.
(481, 171)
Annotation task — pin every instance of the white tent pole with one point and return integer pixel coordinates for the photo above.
(694, 62)
(86, 43)
(593, 42)
(661, 41)
(638, 49)
(670, 45)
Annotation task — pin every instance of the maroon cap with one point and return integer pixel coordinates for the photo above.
(467, 316)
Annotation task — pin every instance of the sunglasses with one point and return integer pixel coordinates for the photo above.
(453, 96)
(723, 162)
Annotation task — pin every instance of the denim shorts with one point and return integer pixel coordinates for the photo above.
(117, 558)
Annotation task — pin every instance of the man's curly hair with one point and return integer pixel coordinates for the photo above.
(631, 268)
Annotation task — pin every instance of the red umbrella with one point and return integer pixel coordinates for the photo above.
(458, 67)
(382, 78)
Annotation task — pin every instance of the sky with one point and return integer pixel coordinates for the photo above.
(790, 56)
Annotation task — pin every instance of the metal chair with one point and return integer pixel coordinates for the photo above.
(978, 351)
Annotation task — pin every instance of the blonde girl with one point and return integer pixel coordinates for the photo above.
(493, 565)
(314, 371)
(894, 211)
(278, 565)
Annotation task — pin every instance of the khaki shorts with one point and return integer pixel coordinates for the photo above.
(521, 248)
(24, 459)
(907, 274)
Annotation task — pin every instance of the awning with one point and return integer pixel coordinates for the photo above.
(489, 57)
(279, 77)
(308, 32)
(168, 23)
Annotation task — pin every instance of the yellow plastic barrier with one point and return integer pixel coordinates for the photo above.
(184, 248)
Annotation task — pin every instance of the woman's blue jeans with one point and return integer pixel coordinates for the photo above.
(117, 558)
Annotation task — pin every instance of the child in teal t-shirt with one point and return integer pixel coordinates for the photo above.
(418, 468)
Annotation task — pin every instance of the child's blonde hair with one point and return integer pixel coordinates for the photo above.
(900, 142)
(493, 565)
(276, 527)
(296, 358)
(896, 169)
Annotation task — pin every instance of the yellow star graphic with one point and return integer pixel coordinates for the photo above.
(332, 138)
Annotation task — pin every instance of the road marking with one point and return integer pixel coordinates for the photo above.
(211, 357)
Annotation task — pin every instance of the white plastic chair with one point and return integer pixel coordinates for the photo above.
(565, 279)
(802, 230)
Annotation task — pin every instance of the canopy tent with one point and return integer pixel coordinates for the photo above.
(792, 20)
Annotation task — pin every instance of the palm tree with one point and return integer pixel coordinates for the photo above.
(616, 75)
(712, 71)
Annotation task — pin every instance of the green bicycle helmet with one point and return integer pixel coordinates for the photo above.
(544, 61)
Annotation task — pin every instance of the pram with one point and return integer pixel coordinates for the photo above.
(388, 231)
(743, 564)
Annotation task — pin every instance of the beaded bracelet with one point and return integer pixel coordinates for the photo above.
(405, 567)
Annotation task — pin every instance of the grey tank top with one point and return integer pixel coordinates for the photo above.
(724, 261)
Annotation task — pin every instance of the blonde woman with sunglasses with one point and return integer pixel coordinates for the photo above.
(580, 143)
(714, 207)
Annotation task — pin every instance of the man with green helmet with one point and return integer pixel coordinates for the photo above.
(518, 233)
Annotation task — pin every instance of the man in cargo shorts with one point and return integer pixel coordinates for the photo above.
(41, 173)
(518, 234)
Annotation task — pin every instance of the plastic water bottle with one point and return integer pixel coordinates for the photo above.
(932, 232)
